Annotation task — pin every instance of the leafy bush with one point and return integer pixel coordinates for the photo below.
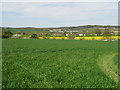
(34, 36)
(6, 34)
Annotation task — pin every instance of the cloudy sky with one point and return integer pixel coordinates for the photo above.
(52, 14)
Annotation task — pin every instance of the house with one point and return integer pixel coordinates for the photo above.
(57, 34)
(66, 34)
(16, 36)
(80, 34)
(116, 32)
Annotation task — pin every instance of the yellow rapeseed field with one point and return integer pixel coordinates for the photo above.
(86, 38)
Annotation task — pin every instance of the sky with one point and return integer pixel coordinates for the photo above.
(58, 14)
(59, 0)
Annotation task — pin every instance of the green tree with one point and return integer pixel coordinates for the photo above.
(107, 32)
(88, 33)
(34, 36)
(63, 34)
(84, 32)
(97, 31)
(46, 36)
(6, 33)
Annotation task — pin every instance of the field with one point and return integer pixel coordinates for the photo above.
(86, 38)
(36, 63)
(14, 30)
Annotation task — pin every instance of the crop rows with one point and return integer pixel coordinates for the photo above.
(35, 63)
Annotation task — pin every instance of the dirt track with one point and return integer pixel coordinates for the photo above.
(104, 65)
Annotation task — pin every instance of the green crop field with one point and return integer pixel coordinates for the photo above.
(35, 63)
(14, 30)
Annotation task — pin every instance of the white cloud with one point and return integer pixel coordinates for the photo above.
(81, 10)
(63, 12)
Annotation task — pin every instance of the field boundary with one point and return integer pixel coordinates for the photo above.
(104, 65)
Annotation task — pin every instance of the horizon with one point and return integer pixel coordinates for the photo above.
(57, 26)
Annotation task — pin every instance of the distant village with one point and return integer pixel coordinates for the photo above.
(60, 32)
(85, 31)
